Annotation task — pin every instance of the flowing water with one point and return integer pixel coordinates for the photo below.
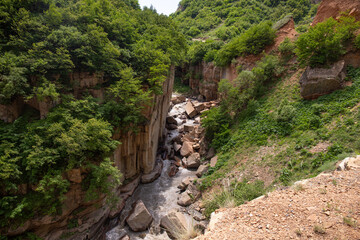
(160, 196)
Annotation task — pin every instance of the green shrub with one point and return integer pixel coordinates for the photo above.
(326, 42)
(253, 41)
(357, 41)
(237, 194)
(286, 49)
(215, 121)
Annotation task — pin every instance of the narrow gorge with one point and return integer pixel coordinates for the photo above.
(234, 119)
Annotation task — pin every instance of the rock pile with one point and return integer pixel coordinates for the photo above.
(188, 146)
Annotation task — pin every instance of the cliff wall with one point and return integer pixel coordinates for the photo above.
(81, 219)
(205, 76)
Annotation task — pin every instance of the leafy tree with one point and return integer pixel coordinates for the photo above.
(326, 42)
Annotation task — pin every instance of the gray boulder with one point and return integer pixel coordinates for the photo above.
(174, 223)
(139, 218)
(202, 170)
(316, 82)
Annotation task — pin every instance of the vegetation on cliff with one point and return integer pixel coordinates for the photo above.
(223, 30)
(43, 44)
(263, 125)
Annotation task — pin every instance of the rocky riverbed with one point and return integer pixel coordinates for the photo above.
(164, 205)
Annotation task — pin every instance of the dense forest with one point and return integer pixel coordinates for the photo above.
(219, 27)
(44, 42)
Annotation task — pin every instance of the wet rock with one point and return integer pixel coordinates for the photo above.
(173, 170)
(116, 234)
(171, 120)
(197, 120)
(148, 178)
(185, 182)
(190, 110)
(213, 161)
(176, 146)
(171, 126)
(177, 139)
(188, 128)
(316, 82)
(139, 218)
(188, 138)
(193, 161)
(202, 170)
(177, 161)
(174, 223)
(186, 149)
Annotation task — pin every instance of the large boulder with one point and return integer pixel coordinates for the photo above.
(174, 223)
(213, 161)
(193, 161)
(185, 200)
(185, 182)
(148, 178)
(171, 120)
(202, 170)
(316, 82)
(186, 149)
(190, 110)
(139, 218)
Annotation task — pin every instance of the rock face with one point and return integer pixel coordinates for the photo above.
(137, 152)
(140, 218)
(211, 76)
(134, 157)
(206, 76)
(334, 8)
(316, 82)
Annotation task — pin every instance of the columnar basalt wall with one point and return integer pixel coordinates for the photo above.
(134, 157)
(137, 153)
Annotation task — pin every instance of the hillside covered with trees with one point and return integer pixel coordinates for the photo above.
(44, 44)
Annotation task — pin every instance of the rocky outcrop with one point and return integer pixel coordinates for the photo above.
(316, 82)
(137, 153)
(80, 81)
(206, 76)
(334, 8)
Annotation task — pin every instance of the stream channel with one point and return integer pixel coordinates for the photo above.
(160, 197)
